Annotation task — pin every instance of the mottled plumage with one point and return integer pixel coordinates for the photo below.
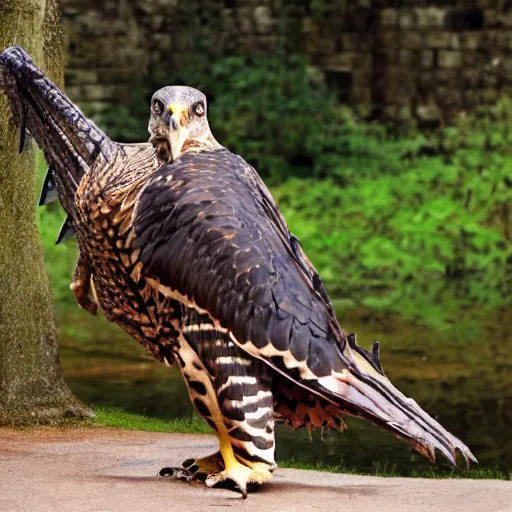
(189, 253)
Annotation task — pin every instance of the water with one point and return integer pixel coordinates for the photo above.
(462, 375)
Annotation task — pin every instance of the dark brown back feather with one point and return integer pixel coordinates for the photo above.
(208, 228)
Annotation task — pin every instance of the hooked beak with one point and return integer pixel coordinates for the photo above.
(178, 131)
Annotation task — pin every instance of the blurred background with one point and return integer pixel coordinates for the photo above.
(384, 131)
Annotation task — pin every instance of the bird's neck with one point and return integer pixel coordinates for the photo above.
(207, 143)
(191, 145)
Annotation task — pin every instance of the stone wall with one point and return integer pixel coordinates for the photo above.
(427, 59)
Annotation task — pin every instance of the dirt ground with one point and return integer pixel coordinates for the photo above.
(109, 470)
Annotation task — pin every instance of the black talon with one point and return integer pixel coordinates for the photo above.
(253, 486)
(231, 485)
(183, 474)
(166, 472)
(201, 476)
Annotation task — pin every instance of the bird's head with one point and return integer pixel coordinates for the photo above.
(178, 121)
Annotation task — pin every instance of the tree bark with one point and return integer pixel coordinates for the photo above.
(32, 389)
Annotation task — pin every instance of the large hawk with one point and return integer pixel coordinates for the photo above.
(189, 253)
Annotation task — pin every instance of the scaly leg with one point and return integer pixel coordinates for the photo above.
(232, 392)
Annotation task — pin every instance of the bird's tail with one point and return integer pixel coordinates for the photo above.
(362, 389)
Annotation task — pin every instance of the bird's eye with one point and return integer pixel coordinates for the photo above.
(157, 107)
(199, 109)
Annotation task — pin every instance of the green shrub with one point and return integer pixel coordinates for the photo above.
(415, 223)
(274, 113)
(425, 241)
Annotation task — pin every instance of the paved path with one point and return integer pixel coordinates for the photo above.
(108, 470)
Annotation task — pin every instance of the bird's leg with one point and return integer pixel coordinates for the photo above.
(239, 474)
(81, 284)
(198, 383)
(232, 392)
(243, 387)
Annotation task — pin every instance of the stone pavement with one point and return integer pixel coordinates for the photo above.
(109, 470)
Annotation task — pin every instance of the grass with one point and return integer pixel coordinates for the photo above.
(389, 471)
(121, 419)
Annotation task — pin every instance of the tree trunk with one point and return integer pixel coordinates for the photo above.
(32, 390)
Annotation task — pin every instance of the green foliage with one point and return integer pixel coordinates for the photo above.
(269, 113)
(418, 224)
(416, 233)
(278, 115)
(273, 114)
(125, 123)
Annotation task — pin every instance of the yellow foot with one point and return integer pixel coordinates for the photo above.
(211, 470)
(202, 468)
(239, 478)
(196, 469)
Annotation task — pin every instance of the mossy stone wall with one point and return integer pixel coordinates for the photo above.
(424, 59)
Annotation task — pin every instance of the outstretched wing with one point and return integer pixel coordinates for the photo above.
(209, 230)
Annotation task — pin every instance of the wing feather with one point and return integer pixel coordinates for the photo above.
(218, 238)
(208, 230)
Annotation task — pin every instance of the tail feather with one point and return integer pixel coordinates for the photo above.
(363, 392)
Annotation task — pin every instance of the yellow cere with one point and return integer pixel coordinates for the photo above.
(176, 108)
